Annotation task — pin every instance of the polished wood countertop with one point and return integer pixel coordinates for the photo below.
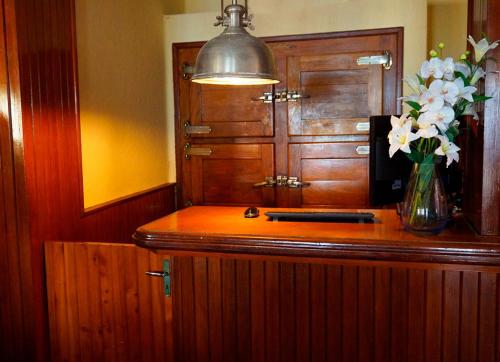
(224, 230)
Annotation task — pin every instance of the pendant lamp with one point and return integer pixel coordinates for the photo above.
(235, 57)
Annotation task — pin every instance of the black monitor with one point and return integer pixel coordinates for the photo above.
(388, 176)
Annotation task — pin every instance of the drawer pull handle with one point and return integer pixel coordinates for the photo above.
(363, 126)
(196, 151)
(363, 150)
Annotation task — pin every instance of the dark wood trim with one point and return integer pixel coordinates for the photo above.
(122, 200)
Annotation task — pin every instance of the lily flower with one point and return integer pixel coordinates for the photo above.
(478, 74)
(426, 129)
(463, 91)
(448, 90)
(441, 118)
(431, 101)
(448, 67)
(414, 83)
(481, 47)
(400, 139)
(448, 149)
(433, 67)
(462, 68)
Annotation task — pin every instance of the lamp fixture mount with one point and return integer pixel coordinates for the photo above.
(235, 57)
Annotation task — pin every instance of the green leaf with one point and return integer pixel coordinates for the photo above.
(462, 76)
(415, 156)
(421, 80)
(414, 105)
(414, 114)
(451, 133)
(479, 98)
(429, 159)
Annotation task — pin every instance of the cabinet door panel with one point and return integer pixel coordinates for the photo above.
(102, 306)
(337, 174)
(340, 94)
(228, 175)
(231, 111)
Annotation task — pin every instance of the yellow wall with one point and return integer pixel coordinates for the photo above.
(122, 97)
(282, 17)
(447, 23)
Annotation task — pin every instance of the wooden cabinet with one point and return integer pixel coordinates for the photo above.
(314, 125)
(102, 306)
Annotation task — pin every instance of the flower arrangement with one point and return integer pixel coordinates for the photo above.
(443, 90)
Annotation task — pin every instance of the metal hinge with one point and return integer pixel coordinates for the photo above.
(293, 182)
(189, 129)
(165, 274)
(385, 60)
(282, 181)
(187, 71)
(195, 151)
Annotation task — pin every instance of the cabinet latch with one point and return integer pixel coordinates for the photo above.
(165, 274)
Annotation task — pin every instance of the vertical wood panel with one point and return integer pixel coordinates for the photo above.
(318, 313)
(272, 329)
(257, 310)
(201, 308)
(229, 317)
(365, 313)
(433, 322)
(451, 316)
(243, 321)
(334, 287)
(287, 310)
(302, 315)
(97, 314)
(382, 313)
(399, 314)
(487, 317)
(469, 317)
(350, 297)
(416, 315)
(215, 309)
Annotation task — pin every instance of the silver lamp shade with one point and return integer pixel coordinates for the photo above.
(235, 57)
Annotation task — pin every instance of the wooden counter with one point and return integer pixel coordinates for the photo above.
(225, 230)
(259, 290)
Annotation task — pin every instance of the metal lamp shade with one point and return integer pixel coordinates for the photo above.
(235, 58)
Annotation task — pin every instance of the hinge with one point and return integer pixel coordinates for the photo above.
(282, 96)
(187, 71)
(189, 130)
(195, 151)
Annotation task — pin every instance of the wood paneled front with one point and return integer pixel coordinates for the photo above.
(102, 306)
(324, 98)
(229, 309)
(336, 174)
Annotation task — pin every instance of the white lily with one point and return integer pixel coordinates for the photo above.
(426, 129)
(441, 118)
(481, 47)
(414, 83)
(448, 90)
(448, 67)
(433, 67)
(462, 68)
(463, 91)
(470, 110)
(397, 123)
(448, 149)
(431, 101)
(400, 138)
(478, 74)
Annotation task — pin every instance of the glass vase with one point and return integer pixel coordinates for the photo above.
(424, 209)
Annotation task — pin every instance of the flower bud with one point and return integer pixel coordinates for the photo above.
(463, 56)
(441, 45)
(467, 53)
(433, 53)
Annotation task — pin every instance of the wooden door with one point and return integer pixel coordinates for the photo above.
(102, 306)
(336, 174)
(227, 176)
(340, 94)
(319, 133)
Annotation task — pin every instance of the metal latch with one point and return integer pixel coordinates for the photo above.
(189, 129)
(281, 180)
(195, 151)
(293, 182)
(268, 182)
(282, 96)
(363, 126)
(165, 274)
(385, 60)
(363, 150)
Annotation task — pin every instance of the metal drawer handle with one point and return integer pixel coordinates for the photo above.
(268, 182)
(165, 274)
(158, 274)
(189, 129)
(363, 150)
(196, 151)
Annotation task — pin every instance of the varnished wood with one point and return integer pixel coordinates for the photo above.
(342, 93)
(481, 191)
(335, 312)
(102, 306)
(225, 230)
